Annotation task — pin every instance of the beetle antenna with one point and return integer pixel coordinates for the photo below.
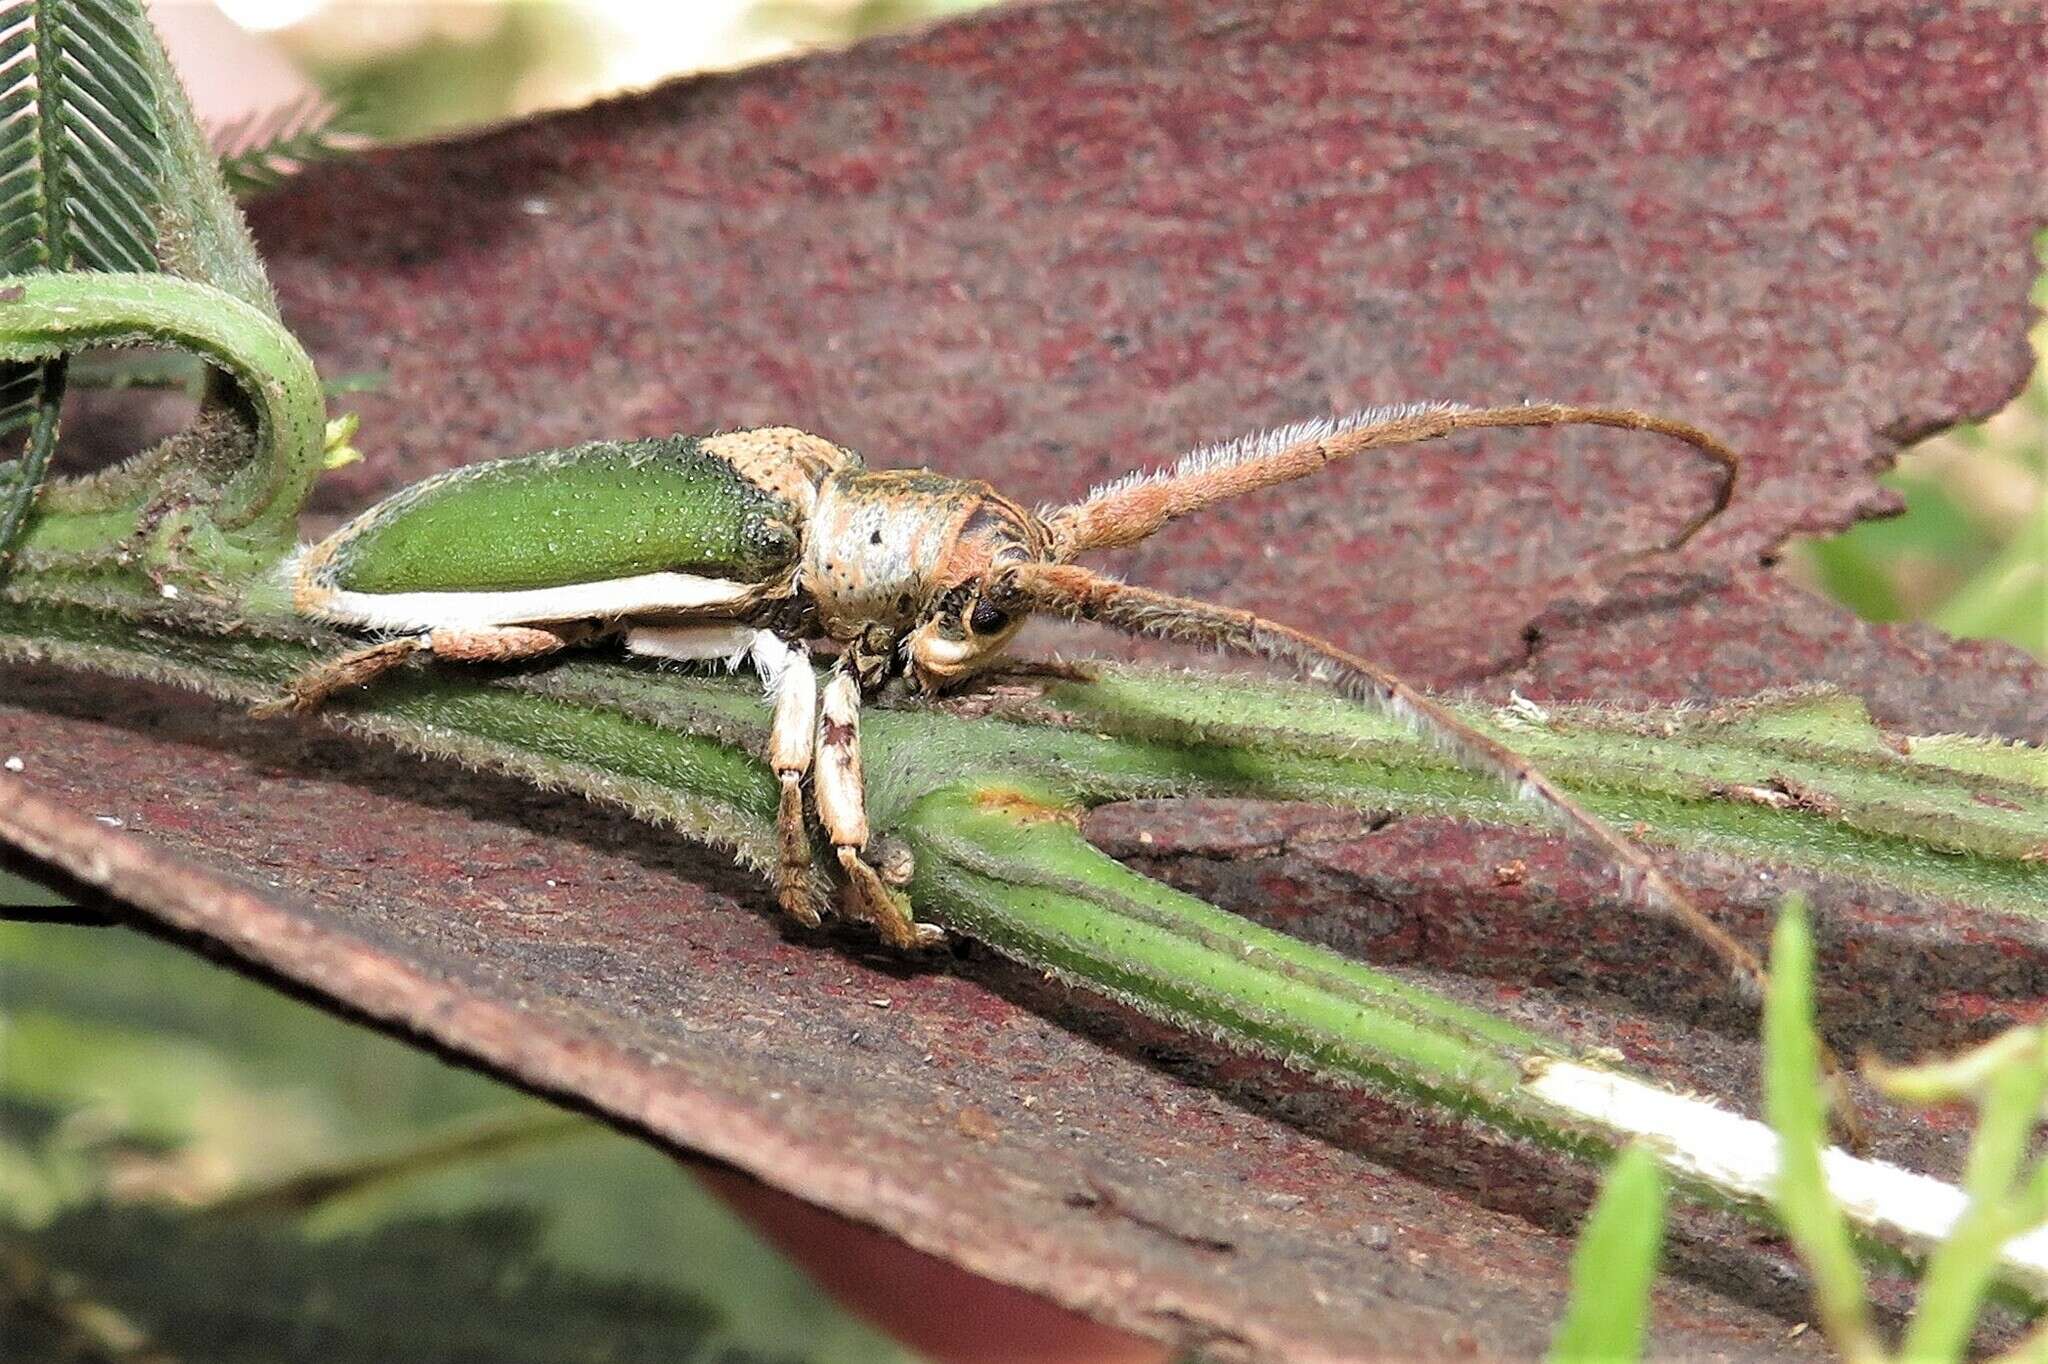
(1081, 594)
(1134, 507)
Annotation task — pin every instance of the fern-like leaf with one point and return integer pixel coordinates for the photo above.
(260, 151)
(80, 175)
(80, 168)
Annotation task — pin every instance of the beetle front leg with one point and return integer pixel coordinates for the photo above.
(842, 808)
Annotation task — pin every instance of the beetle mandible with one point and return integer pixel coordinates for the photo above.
(748, 546)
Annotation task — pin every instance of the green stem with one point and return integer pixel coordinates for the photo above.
(1793, 1100)
(989, 802)
(25, 479)
(1010, 868)
(1615, 1266)
(250, 518)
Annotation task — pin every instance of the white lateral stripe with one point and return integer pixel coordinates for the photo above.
(605, 600)
(1740, 1154)
(692, 643)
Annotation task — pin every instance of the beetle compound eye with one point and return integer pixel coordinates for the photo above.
(986, 619)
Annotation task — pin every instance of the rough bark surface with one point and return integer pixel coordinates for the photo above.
(1043, 245)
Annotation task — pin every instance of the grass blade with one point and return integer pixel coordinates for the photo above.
(1796, 1106)
(1614, 1266)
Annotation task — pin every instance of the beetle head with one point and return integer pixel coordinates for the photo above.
(963, 631)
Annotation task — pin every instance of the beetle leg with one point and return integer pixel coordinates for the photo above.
(785, 669)
(359, 667)
(842, 806)
(500, 643)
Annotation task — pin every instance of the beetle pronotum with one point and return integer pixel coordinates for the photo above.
(745, 546)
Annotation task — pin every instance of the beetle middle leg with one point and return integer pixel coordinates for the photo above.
(785, 669)
(801, 741)
(842, 807)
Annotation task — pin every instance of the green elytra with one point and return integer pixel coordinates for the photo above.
(589, 513)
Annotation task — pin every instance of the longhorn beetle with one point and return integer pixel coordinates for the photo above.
(745, 546)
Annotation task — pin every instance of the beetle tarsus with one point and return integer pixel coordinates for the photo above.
(888, 910)
(793, 865)
(358, 667)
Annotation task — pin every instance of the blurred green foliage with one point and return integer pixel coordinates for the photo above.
(448, 81)
(498, 60)
(158, 1114)
(1970, 553)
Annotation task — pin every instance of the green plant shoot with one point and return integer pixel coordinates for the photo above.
(1614, 1266)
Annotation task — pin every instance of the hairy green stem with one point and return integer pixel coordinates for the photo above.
(988, 795)
(681, 751)
(24, 477)
(231, 526)
(1008, 867)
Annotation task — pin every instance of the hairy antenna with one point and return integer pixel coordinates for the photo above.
(1132, 508)
(1082, 594)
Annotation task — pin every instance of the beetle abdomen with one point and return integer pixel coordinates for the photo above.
(591, 513)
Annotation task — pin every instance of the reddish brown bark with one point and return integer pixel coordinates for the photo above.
(1043, 245)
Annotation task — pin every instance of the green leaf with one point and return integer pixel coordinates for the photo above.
(80, 175)
(426, 1290)
(1614, 1266)
(102, 170)
(81, 164)
(259, 152)
(1795, 1106)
